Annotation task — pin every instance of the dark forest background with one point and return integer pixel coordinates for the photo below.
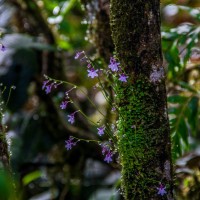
(42, 37)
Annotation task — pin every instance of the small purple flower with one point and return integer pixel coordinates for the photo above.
(89, 66)
(45, 84)
(78, 54)
(107, 152)
(157, 75)
(113, 109)
(123, 78)
(71, 119)
(48, 88)
(114, 66)
(101, 130)
(3, 48)
(92, 72)
(70, 143)
(105, 148)
(161, 190)
(108, 157)
(63, 105)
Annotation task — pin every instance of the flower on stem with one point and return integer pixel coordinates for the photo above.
(71, 119)
(89, 66)
(123, 78)
(45, 84)
(114, 66)
(107, 152)
(101, 130)
(105, 148)
(92, 73)
(161, 190)
(108, 157)
(70, 143)
(78, 54)
(63, 105)
(48, 88)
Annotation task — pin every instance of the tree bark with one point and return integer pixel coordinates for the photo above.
(143, 128)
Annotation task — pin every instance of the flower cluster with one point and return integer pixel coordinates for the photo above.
(114, 66)
(106, 150)
(48, 84)
(93, 72)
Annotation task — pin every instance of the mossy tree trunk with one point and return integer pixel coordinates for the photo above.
(143, 128)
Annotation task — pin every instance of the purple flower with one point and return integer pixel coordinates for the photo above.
(161, 190)
(78, 54)
(3, 48)
(113, 109)
(113, 65)
(123, 78)
(107, 152)
(48, 88)
(89, 66)
(101, 130)
(70, 143)
(92, 72)
(63, 105)
(71, 119)
(45, 84)
(108, 157)
(105, 148)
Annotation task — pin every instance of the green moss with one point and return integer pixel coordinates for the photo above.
(139, 145)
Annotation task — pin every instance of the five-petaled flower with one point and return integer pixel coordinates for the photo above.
(114, 66)
(123, 78)
(63, 105)
(92, 72)
(101, 130)
(48, 88)
(161, 190)
(108, 157)
(71, 119)
(70, 143)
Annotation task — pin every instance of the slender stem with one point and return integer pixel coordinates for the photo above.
(80, 90)
(81, 139)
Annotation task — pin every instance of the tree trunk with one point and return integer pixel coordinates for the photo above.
(143, 129)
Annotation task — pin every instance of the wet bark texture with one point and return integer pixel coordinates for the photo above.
(143, 128)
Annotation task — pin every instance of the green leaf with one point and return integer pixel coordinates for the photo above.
(187, 87)
(31, 177)
(193, 107)
(177, 99)
(183, 130)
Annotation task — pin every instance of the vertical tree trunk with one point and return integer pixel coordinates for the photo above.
(143, 128)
